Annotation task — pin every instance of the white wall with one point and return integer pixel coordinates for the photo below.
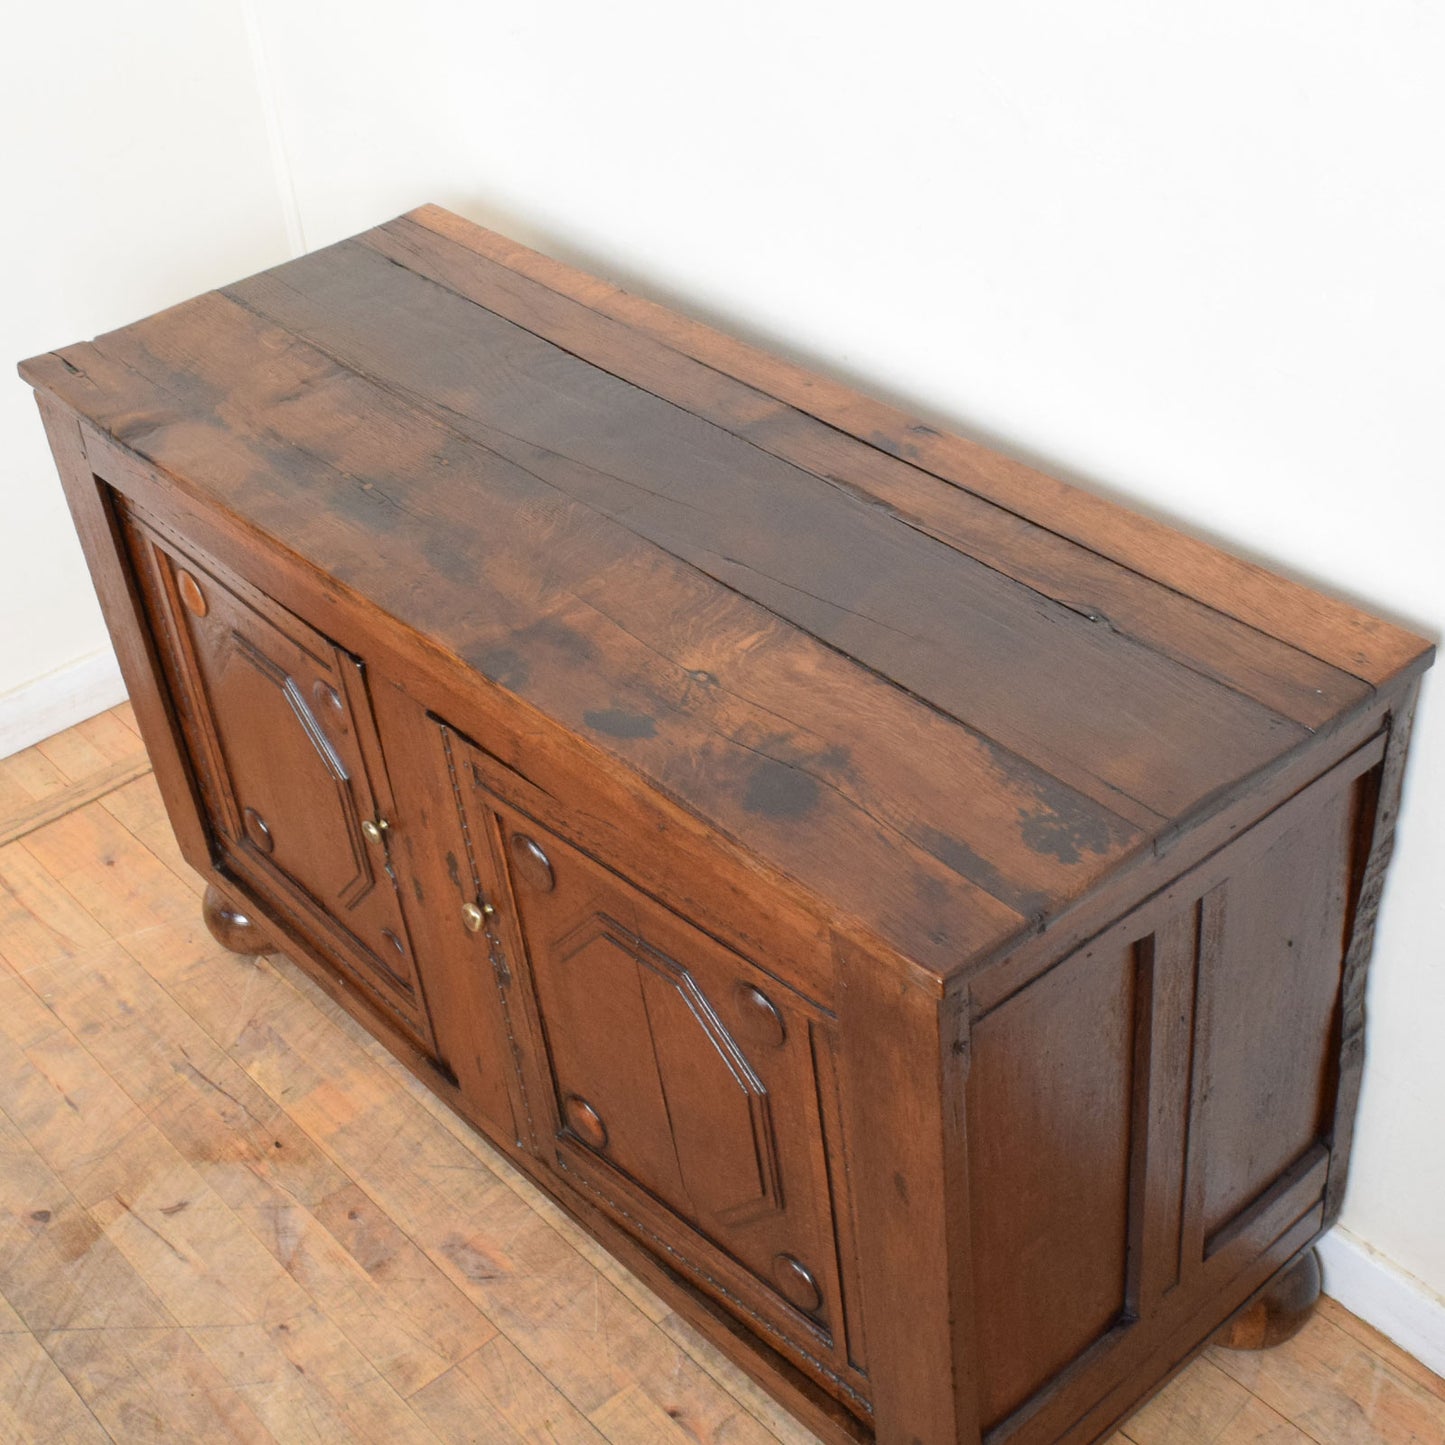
(1192, 255)
(135, 172)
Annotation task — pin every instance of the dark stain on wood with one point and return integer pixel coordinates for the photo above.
(505, 666)
(556, 635)
(1065, 833)
(780, 790)
(449, 555)
(617, 722)
(969, 863)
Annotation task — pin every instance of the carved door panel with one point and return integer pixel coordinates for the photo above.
(648, 1073)
(677, 1079)
(657, 1038)
(284, 747)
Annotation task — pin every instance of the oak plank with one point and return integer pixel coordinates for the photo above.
(89, 789)
(58, 1270)
(110, 735)
(15, 797)
(1368, 1337)
(122, 900)
(38, 1405)
(1129, 604)
(137, 806)
(308, 1384)
(73, 755)
(154, 1385)
(29, 776)
(80, 757)
(1103, 711)
(497, 1394)
(65, 1105)
(632, 1415)
(1334, 1391)
(39, 919)
(1204, 1406)
(1332, 630)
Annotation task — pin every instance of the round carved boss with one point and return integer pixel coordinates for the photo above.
(257, 831)
(584, 1121)
(532, 864)
(796, 1284)
(327, 696)
(191, 594)
(758, 1017)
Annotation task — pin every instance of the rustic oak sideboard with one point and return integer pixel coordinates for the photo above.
(913, 911)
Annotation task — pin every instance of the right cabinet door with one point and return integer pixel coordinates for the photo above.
(680, 1088)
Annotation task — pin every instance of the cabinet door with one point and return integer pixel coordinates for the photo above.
(281, 737)
(677, 1085)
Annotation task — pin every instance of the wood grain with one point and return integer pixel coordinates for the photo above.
(56, 804)
(934, 621)
(1333, 631)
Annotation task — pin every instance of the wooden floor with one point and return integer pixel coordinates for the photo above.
(226, 1214)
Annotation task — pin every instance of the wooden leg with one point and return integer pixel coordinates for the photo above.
(231, 926)
(1280, 1312)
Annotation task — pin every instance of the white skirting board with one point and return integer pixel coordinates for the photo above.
(58, 700)
(1396, 1303)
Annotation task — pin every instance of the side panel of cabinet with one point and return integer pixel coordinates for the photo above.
(668, 1079)
(280, 735)
(1269, 990)
(1049, 1126)
(1152, 1117)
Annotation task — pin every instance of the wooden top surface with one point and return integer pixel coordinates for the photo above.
(945, 692)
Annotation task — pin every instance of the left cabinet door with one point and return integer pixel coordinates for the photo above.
(284, 748)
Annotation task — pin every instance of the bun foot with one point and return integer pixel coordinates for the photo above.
(1280, 1312)
(231, 926)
